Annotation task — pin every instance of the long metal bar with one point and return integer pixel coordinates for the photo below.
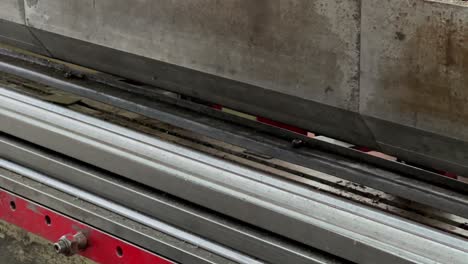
(327, 223)
(105, 220)
(129, 213)
(234, 235)
(453, 200)
(99, 247)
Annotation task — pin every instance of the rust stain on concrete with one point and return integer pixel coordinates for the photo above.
(436, 78)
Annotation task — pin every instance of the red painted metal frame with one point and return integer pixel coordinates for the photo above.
(102, 248)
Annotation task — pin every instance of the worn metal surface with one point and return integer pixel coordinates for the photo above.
(214, 249)
(262, 245)
(451, 200)
(350, 231)
(146, 236)
(426, 215)
(102, 248)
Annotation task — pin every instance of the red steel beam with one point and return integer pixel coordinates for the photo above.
(102, 247)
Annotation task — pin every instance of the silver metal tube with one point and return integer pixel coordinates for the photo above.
(339, 227)
(128, 213)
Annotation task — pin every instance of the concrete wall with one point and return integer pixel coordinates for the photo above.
(414, 64)
(12, 27)
(12, 10)
(307, 48)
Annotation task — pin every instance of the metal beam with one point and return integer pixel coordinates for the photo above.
(339, 227)
(392, 177)
(105, 220)
(159, 205)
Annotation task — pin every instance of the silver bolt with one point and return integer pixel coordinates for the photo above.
(69, 245)
(296, 143)
(63, 246)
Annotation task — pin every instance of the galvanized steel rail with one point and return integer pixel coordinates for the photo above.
(350, 231)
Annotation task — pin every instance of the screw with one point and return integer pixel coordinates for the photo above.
(69, 245)
(63, 246)
(296, 143)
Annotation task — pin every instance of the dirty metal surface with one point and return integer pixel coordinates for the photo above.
(162, 113)
(50, 225)
(274, 182)
(146, 236)
(181, 214)
(324, 182)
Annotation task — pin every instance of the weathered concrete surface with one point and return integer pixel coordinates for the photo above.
(414, 64)
(20, 247)
(12, 27)
(12, 10)
(306, 48)
(413, 70)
